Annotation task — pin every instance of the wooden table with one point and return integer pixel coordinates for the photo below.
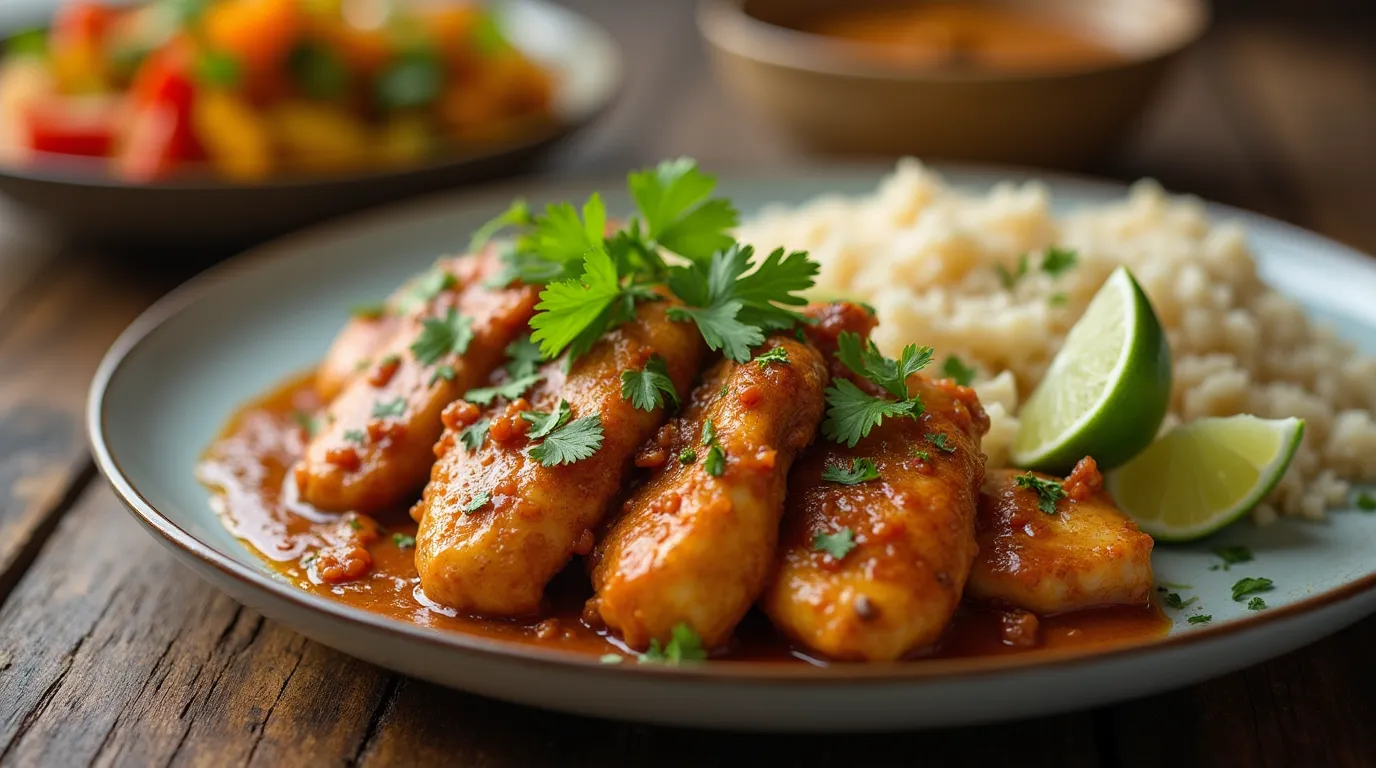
(111, 653)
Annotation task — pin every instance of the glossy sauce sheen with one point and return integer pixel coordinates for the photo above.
(978, 36)
(249, 470)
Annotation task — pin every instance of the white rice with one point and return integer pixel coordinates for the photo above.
(926, 257)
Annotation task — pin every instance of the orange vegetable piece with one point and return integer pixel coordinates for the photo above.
(258, 33)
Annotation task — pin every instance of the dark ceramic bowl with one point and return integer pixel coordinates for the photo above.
(80, 201)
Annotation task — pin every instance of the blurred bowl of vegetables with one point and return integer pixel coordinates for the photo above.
(227, 121)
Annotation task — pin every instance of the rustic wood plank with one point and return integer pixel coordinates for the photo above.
(47, 356)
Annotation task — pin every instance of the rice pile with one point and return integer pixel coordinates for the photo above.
(927, 258)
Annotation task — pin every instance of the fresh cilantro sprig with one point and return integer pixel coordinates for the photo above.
(476, 503)
(542, 424)
(473, 435)
(1048, 491)
(646, 388)
(777, 355)
(1231, 555)
(838, 544)
(1249, 586)
(852, 412)
(440, 337)
(510, 390)
(684, 645)
(680, 215)
(715, 463)
(570, 443)
(956, 369)
(859, 471)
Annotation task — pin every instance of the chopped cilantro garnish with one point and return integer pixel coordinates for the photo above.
(443, 371)
(955, 368)
(1173, 600)
(1204, 619)
(368, 311)
(684, 645)
(852, 412)
(476, 503)
(510, 390)
(523, 356)
(1010, 278)
(939, 440)
(1256, 604)
(403, 541)
(1162, 586)
(422, 289)
(1233, 555)
(715, 463)
(472, 436)
(516, 215)
(306, 422)
(1048, 491)
(678, 210)
(218, 70)
(777, 355)
(687, 456)
(838, 544)
(868, 307)
(921, 454)
(646, 389)
(575, 441)
(440, 337)
(541, 424)
(1249, 586)
(354, 524)
(1057, 299)
(709, 433)
(1366, 502)
(574, 313)
(356, 436)
(860, 471)
(390, 409)
(1056, 261)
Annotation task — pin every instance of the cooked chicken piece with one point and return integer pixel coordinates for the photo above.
(495, 523)
(912, 529)
(374, 448)
(367, 332)
(693, 547)
(1086, 554)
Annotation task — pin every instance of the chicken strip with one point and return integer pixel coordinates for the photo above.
(695, 547)
(353, 350)
(1084, 555)
(374, 448)
(495, 523)
(873, 571)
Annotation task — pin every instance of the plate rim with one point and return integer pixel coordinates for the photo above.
(542, 137)
(907, 672)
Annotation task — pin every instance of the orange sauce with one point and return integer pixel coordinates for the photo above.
(969, 35)
(248, 468)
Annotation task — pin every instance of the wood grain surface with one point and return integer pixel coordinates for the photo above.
(112, 654)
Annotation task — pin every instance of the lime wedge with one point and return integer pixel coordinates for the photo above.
(1205, 474)
(1106, 392)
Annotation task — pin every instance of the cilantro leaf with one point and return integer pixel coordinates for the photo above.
(777, 355)
(473, 435)
(575, 313)
(1366, 502)
(1249, 585)
(889, 374)
(674, 200)
(523, 357)
(838, 544)
(403, 541)
(476, 503)
(721, 329)
(1056, 261)
(938, 439)
(510, 390)
(356, 436)
(687, 456)
(306, 422)
(684, 645)
(1232, 555)
(1058, 299)
(709, 432)
(516, 215)
(575, 441)
(860, 471)
(390, 409)
(852, 412)
(443, 371)
(1205, 619)
(422, 289)
(646, 389)
(1256, 604)
(541, 424)
(440, 337)
(777, 280)
(955, 368)
(1011, 278)
(1048, 491)
(715, 463)
(1173, 600)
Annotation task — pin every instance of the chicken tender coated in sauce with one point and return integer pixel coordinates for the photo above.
(496, 558)
(893, 592)
(374, 448)
(695, 547)
(1086, 555)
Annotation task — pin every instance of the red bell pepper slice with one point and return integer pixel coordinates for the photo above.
(72, 125)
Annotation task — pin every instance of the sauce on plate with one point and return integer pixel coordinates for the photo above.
(971, 35)
(248, 468)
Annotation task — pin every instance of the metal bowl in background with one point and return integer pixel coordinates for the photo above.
(82, 201)
(831, 97)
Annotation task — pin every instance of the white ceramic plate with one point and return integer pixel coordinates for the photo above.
(171, 380)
